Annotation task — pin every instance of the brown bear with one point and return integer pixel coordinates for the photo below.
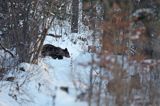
(54, 52)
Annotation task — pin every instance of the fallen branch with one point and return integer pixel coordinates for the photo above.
(55, 36)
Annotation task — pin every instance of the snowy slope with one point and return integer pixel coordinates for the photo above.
(39, 85)
(62, 69)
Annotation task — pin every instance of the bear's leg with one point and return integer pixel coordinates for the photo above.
(54, 57)
(60, 57)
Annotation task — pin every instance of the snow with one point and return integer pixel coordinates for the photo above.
(147, 10)
(39, 85)
(67, 100)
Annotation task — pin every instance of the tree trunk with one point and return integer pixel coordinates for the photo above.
(75, 12)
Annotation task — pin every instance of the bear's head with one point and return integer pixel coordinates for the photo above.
(66, 52)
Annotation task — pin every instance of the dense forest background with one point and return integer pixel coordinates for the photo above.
(125, 42)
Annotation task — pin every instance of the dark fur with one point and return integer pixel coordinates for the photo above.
(54, 52)
(65, 89)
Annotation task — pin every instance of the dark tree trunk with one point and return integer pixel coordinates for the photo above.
(75, 12)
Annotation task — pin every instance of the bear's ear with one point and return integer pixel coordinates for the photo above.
(66, 49)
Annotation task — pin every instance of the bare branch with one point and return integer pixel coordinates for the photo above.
(7, 50)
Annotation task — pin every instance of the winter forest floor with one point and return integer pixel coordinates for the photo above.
(41, 85)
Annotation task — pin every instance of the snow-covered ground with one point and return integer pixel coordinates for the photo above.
(40, 85)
